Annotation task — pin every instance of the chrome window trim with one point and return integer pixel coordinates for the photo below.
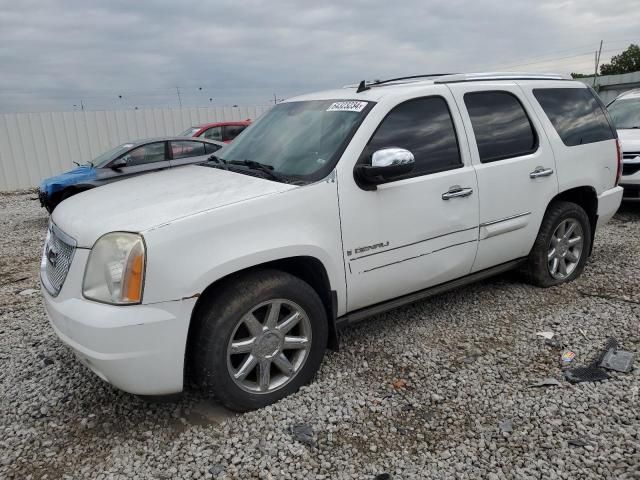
(493, 222)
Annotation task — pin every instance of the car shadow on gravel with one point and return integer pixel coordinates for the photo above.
(629, 211)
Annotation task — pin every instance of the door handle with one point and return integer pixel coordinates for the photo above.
(541, 172)
(457, 191)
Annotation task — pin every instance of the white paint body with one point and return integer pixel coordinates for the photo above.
(201, 224)
(630, 143)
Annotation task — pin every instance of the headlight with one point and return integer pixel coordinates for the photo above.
(115, 269)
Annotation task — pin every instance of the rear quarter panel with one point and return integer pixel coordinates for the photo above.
(592, 164)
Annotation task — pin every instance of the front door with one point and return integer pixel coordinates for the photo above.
(418, 230)
(143, 159)
(515, 166)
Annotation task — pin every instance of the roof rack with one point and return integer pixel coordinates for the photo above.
(366, 84)
(475, 77)
(463, 77)
(410, 77)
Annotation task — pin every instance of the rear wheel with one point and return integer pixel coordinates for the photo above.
(259, 339)
(562, 246)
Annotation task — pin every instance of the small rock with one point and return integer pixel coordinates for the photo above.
(547, 382)
(216, 469)
(303, 433)
(28, 291)
(506, 425)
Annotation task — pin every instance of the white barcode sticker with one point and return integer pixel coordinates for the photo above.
(348, 106)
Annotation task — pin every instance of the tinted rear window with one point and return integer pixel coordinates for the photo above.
(576, 114)
(500, 125)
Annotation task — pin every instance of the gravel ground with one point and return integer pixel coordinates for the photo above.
(439, 389)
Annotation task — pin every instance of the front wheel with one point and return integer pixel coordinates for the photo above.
(259, 339)
(562, 246)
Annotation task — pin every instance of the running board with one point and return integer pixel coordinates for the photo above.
(359, 315)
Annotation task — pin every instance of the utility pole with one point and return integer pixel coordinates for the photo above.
(595, 75)
(275, 99)
(81, 105)
(179, 99)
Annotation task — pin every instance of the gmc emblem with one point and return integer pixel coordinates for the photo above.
(52, 256)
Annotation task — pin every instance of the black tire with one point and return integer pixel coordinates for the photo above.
(217, 319)
(537, 269)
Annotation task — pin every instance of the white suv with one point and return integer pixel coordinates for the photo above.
(332, 207)
(625, 111)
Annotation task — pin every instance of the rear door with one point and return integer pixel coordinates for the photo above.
(184, 152)
(515, 167)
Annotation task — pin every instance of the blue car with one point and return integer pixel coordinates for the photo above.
(123, 161)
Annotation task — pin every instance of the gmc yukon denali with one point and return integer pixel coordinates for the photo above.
(333, 206)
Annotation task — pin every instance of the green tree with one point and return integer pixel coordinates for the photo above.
(628, 61)
(579, 75)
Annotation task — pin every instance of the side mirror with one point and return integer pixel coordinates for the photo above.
(118, 164)
(386, 164)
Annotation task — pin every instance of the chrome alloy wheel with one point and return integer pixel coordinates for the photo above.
(565, 248)
(269, 346)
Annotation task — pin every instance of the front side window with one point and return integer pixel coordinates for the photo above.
(107, 157)
(214, 133)
(150, 153)
(302, 139)
(501, 125)
(625, 112)
(576, 115)
(186, 148)
(424, 127)
(232, 131)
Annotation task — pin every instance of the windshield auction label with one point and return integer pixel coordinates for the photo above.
(349, 106)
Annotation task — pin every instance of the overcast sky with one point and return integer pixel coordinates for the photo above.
(53, 54)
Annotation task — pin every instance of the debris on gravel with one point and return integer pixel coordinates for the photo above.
(463, 409)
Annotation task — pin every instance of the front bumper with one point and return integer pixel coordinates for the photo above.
(137, 348)
(608, 204)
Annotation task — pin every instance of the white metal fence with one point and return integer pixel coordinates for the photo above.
(34, 146)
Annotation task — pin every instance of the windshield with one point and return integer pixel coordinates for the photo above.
(190, 132)
(299, 139)
(625, 112)
(106, 157)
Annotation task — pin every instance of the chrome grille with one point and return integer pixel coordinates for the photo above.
(56, 259)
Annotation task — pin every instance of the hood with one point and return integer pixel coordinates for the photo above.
(52, 185)
(146, 201)
(629, 139)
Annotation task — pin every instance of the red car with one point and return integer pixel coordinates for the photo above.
(220, 131)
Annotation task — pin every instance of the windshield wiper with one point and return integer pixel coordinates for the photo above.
(218, 161)
(264, 168)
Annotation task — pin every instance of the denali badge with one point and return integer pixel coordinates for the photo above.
(367, 248)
